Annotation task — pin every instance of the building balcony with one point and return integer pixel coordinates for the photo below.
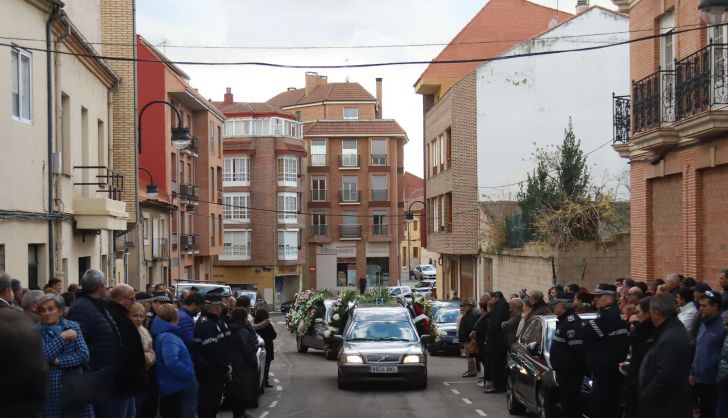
(349, 161)
(319, 230)
(189, 192)
(175, 240)
(93, 212)
(379, 195)
(349, 231)
(380, 230)
(378, 160)
(349, 196)
(190, 243)
(160, 249)
(319, 195)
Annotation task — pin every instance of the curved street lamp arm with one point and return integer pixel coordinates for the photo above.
(141, 113)
(151, 178)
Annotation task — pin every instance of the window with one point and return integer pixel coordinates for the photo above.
(667, 42)
(219, 142)
(320, 228)
(379, 223)
(219, 230)
(212, 230)
(351, 113)
(379, 152)
(415, 252)
(318, 152)
(298, 115)
(435, 155)
(236, 171)
(415, 225)
(287, 208)
(236, 245)
(288, 244)
(318, 188)
(288, 171)
(349, 157)
(350, 193)
(379, 188)
(21, 84)
(66, 134)
(350, 227)
(436, 214)
(263, 127)
(145, 230)
(236, 208)
(2, 257)
(212, 138)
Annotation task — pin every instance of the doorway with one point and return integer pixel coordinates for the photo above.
(84, 263)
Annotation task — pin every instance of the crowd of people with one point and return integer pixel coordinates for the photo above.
(113, 352)
(649, 350)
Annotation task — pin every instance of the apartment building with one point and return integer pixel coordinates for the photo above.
(450, 136)
(671, 127)
(353, 189)
(181, 228)
(263, 187)
(61, 198)
(412, 251)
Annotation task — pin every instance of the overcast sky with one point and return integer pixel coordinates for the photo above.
(312, 23)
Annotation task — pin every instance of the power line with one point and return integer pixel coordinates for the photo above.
(366, 65)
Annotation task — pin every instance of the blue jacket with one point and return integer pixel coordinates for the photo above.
(186, 326)
(175, 370)
(99, 330)
(707, 351)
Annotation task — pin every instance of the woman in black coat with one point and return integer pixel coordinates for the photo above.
(641, 332)
(262, 325)
(242, 390)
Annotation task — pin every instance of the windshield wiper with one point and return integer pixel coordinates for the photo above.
(362, 339)
(392, 339)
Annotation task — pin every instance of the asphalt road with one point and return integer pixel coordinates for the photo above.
(306, 387)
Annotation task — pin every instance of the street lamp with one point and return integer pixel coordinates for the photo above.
(181, 137)
(713, 12)
(152, 189)
(408, 216)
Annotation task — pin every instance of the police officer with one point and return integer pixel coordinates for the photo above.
(567, 354)
(607, 345)
(211, 363)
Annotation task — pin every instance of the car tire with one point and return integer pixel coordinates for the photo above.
(330, 354)
(545, 408)
(300, 347)
(514, 407)
(341, 383)
(422, 384)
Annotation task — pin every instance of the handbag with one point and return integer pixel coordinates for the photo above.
(79, 389)
(473, 348)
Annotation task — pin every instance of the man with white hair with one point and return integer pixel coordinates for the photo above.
(30, 303)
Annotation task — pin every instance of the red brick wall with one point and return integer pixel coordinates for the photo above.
(714, 217)
(667, 225)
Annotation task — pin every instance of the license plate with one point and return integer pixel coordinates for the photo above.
(455, 341)
(382, 369)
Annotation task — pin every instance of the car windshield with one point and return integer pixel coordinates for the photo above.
(447, 316)
(423, 285)
(427, 268)
(381, 331)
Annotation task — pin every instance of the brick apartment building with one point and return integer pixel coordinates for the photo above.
(263, 187)
(449, 108)
(354, 177)
(676, 141)
(181, 228)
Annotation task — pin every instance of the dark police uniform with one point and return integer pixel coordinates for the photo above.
(607, 340)
(211, 363)
(567, 359)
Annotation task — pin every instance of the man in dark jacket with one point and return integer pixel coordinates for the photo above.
(480, 330)
(212, 361)
(567, 354)
(607, 346)
(640, 339)
(468, 319)
(100, 333)
(190, 308)
(495, 344)
(704, 370)
(663, 374)
(131, 375)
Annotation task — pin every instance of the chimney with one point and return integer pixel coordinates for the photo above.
(379, 98)
(228, 96)
(311, 82)
(581, 6)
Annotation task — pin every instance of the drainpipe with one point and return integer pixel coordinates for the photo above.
(55, 14)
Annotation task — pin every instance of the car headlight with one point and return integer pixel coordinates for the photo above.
(411, 359)
(354, 359)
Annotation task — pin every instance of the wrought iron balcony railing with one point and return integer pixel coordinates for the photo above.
(349, 196)
(379, 229)
(160, 248)
(189, 243)
(379, 159)
(653, 101)
(318, 160)
(106, 180)
(701, 81)
(621, 118)
(318, 195)
(320, 230)
(189, 192)
(379, 195)
(349, 160)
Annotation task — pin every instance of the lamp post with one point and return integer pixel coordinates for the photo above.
(713, 12)
(181, 137)
(152, 188)
(408, 216)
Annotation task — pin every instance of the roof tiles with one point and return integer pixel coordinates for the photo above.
(375, 127)
(324, 92)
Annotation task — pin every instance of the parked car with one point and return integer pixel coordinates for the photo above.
(286, 307)
(202, 288)
(256, 300)
(531, 383)
(381, 344)
(447, 325)
(401, 292)
(424, 271)
(315, 336)
(440, 304)
(426, 288)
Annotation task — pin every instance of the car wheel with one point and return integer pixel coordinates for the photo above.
(330, 354)
(300, 347)
(341, 383)
(545, 406)
(422, 384)
(514, 407)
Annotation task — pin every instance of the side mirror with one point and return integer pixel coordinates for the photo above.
(426, 339)
(337, 339)
(533, 348)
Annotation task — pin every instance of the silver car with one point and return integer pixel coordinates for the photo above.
(381, 344)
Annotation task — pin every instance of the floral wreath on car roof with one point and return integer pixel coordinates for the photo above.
(307, 305)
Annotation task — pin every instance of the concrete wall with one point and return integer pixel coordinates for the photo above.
(530, 267)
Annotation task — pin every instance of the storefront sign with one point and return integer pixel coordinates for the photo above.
(377, 249)
(337, 250)
(312, 269)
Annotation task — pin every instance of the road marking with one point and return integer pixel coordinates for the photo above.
(467, 401)
(446, 383)
(461, 382)
(271, 374)
(273, 404)
(276, 381)
(279, 388)
(264, 414)
(481, 413)
(455, 391)
(281, 323)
